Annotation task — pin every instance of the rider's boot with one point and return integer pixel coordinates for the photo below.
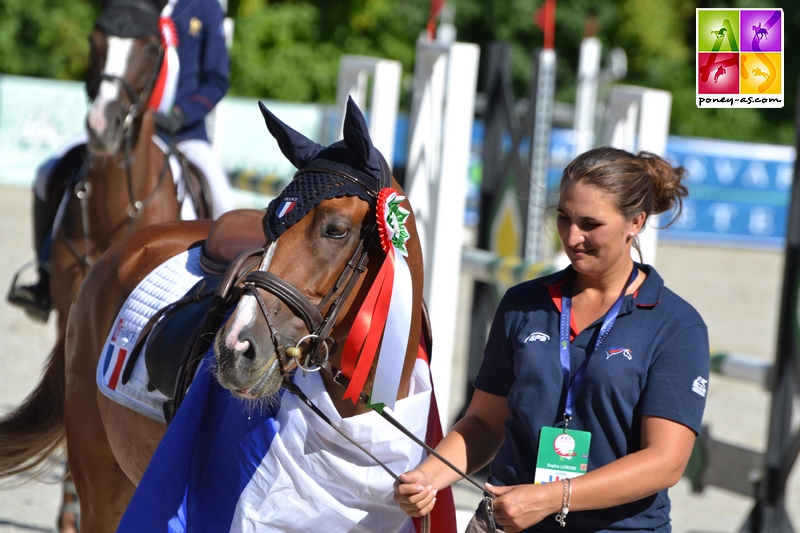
(35, 298)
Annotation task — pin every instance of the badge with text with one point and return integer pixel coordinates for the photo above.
(561, 454)
(739, 58)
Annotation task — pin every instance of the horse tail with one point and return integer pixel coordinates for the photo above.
(33, 434)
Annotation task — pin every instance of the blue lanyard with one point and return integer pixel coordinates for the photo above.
(574, 385)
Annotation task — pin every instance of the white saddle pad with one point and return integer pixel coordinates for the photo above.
(163, 286)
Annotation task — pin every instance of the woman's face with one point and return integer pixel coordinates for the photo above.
(596, 237)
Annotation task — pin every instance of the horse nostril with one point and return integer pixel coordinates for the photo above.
(250, 352)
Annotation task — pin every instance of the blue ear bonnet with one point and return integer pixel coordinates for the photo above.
(350, 167)
(130, 18)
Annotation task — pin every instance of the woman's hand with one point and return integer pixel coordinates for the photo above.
(415, 496)
(521, 506)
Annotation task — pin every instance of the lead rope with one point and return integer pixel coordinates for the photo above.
(294, 389)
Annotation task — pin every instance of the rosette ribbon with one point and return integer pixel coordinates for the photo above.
(385, 313)
(166, 86)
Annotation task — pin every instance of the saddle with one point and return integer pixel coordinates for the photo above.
(178, 335)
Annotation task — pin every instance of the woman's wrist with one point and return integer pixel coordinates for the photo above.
(566, 500)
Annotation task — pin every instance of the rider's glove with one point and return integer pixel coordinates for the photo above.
(173, 122)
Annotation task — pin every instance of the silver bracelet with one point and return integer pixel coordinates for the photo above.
(561, 517)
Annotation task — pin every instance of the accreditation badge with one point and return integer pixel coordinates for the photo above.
(562, 454)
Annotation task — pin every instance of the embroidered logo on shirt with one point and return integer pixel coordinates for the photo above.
(538, 336)
(195, 25)
(622, 351)
(699, 386)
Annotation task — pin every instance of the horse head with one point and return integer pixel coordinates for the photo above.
(125, 60)
(322, 255)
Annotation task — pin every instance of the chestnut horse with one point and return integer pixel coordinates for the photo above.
(328, 255)
(126, 183)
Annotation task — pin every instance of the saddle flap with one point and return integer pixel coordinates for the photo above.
(172, 339)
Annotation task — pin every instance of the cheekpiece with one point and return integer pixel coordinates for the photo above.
(350, 167)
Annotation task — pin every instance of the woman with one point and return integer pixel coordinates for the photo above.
(597, 373)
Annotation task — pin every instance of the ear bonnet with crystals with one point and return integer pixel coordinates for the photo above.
(130, 18)
(350, 167)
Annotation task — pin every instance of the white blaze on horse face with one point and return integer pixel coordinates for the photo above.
(119, 50)
(247, 309)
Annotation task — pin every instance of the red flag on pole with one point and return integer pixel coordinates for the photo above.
(545, 18)
(436, 7)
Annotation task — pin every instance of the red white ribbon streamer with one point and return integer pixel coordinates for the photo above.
(385, 312)
(166, 86)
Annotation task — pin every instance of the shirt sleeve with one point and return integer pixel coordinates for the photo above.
(677, 381)
(214, 67)
(496, 373)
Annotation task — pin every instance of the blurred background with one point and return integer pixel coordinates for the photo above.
(538, 85)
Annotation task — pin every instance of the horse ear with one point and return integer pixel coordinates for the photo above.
(361, 153)
(297, 148)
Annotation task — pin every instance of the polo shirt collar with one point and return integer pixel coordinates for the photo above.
(647, 295)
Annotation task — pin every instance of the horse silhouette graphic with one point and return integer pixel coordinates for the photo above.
(720, 72)
(760, 32)
(621, 351)
(758, 72)
(720, 33)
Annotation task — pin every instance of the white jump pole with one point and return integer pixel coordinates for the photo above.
(440, 132)
(638, 119)
(354, 75)
(586, 97)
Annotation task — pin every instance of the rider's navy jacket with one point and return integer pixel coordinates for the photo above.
(654, 361)
(203, 79)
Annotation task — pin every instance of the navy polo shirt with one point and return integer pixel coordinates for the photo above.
(203, 58)
(654, 361)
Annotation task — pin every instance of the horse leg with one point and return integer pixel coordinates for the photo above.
(103, 488)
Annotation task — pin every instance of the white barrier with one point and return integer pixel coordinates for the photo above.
(638, 119)
(354, 75)
(440, 129)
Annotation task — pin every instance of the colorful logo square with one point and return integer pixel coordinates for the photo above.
(762, 30)
(760, 73)
(739, 58)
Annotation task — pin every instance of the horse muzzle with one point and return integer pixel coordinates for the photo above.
(105, 124)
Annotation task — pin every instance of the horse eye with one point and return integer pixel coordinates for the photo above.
(335, 232)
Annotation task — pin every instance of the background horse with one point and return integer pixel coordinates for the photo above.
(126, 183)
(110, 446)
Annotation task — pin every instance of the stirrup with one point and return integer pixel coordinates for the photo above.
(22, 296)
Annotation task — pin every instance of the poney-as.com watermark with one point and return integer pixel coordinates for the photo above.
(739, 58)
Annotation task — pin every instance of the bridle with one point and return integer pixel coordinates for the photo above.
(134, 111)
(318, 324)
(83, 188)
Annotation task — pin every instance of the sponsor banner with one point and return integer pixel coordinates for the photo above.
(738, 192)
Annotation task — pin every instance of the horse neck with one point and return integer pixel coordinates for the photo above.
(115, 179)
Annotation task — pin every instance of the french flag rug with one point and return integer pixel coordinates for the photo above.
(227, 464)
